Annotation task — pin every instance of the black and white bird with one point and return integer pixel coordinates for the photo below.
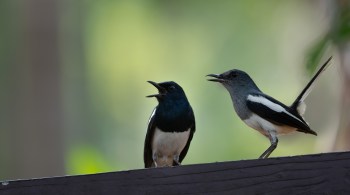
(262, 112)
(170, 127)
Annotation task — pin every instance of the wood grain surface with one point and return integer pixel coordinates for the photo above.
(311, 174)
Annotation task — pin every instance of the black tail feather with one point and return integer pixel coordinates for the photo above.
(309, 131)
(307, 88)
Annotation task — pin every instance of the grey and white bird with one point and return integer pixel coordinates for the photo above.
(262, 112)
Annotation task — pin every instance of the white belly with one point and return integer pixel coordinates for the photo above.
(166, 146)
(265, 127)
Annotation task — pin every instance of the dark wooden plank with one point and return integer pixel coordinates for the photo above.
(311, 174)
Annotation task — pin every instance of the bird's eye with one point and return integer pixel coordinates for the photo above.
(172, 87)
(233, 75)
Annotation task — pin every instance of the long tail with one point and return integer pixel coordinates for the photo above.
(309, 86)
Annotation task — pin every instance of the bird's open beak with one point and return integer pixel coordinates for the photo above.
(217, 78)
(161, 90)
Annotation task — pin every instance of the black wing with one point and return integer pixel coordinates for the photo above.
(286, 117)
(308, 87)
(147, 151)
(193, 129)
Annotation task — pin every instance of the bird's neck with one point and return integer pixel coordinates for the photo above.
(239, 96)
(173, 109)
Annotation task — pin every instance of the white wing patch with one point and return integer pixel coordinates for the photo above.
(273, 106)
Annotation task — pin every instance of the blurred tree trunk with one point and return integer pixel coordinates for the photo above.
(33, 93)
(340, 33)
(339, 36)
(343, 136)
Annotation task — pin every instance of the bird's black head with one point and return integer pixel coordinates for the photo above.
(173, 112)
(233, 78)
(168, 90)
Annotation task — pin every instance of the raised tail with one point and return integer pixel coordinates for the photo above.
(309, 86)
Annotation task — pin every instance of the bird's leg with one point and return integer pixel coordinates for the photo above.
(154, 157)
(269, 150)
(176, 161)
(274, 142)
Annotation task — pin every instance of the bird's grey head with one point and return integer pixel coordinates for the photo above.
(239, 85)
(168, 90)
(235, 81)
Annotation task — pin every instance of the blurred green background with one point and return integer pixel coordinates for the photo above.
(73, 78)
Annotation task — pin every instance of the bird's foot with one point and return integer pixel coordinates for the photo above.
(176, 161)
(155, 164)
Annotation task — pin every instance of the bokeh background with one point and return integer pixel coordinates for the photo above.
(73, 78)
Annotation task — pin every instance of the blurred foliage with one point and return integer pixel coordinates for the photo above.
(130, 42)
(86, 159)
(338, 33)
(315, 54)
(109, 49)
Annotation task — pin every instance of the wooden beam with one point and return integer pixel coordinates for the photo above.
(311, 174)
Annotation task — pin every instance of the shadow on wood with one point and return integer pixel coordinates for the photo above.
(311, 174)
